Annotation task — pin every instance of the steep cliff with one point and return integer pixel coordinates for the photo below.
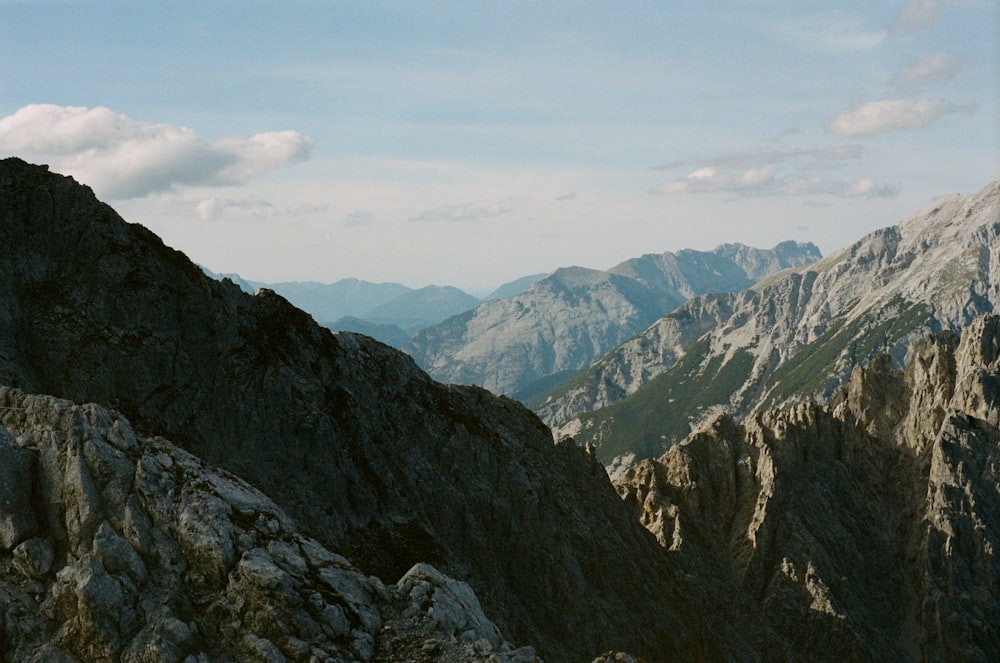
(523, 344)
(866, 529)
(795, 335)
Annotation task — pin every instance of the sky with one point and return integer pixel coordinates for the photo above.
(471, 143)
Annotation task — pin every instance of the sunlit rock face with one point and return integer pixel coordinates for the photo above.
(794, 336)
(366, 512)
(524, 344)
(866, 528)
(128, 548)
(370, 456)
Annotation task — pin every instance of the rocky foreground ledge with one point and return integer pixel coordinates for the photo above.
(118, 547)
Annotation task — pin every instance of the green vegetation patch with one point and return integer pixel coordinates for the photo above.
(659, 414)
(813, 367)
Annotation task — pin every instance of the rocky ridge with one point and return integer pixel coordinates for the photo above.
(116, 547)
(797, 334)
(563, 322)
(866, 528)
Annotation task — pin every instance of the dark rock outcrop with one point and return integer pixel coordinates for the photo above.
(367, 453)
(431, 522)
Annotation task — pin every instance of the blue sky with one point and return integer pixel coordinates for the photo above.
(469, 143)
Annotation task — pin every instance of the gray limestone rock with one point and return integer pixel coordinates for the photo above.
(371, 457)
(795, 335)
(865, 529)
(222, 573)
(17, 517)
(800, 533)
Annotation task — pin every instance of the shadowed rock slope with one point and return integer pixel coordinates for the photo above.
(369, 455)
(866, 529)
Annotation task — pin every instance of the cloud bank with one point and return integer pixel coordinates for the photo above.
(925, 70)
(776, 173)
(878, 117)
(916, 15)
(766, 182)
(473, 212)
(124, 158)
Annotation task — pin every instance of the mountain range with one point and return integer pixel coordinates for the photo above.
(193, 473)
(523, 344)
(390, 312)
(795, 335)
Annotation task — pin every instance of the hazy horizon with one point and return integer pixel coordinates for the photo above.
(469, 144)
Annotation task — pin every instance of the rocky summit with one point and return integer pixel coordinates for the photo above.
(369, 456)
(190, 473)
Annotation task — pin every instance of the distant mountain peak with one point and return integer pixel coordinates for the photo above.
(524, 344)
(795, 334)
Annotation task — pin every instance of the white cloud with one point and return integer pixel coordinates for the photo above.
(211, 208)
(465, 213)
(254, 207)
(359, 218)
(916, 15)
(788, 173)
(829, 31)
(925, 70)
(124, 158)
(812, 157)
(878, 117)
(766, 181)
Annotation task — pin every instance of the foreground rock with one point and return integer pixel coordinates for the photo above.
(131, 549)
(866, 529)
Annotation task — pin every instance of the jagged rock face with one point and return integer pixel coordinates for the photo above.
(798, 334)
(521, 344)
(370, 456)
(137, 551)
(637, 361)
(866, 529)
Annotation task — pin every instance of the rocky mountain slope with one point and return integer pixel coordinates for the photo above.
(867, 529)
(371, 457)
(327, 301)
(794, 335)
(389, 334)
(523, 344)
(515, 287)
(116, 547)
